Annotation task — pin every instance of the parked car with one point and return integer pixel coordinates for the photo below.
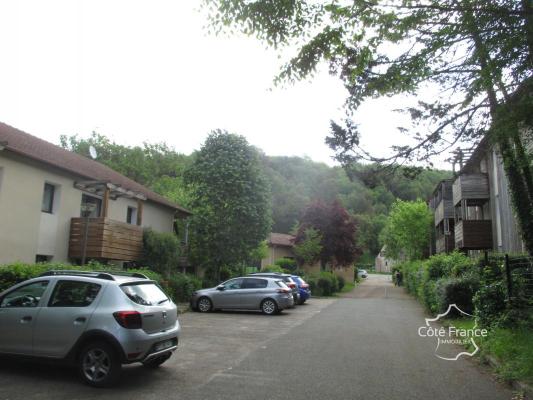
(94, 320)
(285, 278)
(269, 295)
(362, 273)
(303, 287)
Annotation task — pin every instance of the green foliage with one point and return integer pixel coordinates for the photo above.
(341, 282)
(231, 201)
(157, 166)
(259, 252)
(308, 250)
(323, 284)
(442, 280)
(273, 268)
(407, 231)
(182, 286)
(459, 291)
(178, 286)
(484, 57)
(161, 251)
(513, 348)
(287, 264)
(490, 303)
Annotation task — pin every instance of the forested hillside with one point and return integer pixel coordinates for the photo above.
(294, 181)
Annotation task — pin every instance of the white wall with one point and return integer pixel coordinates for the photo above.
(25, 231)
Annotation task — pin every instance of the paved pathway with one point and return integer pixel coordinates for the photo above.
(362, 346)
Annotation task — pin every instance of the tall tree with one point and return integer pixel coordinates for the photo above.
(231, 202)
(337, 230)
(476, 56)
(407, 230)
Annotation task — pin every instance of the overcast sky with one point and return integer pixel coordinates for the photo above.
(148, 71)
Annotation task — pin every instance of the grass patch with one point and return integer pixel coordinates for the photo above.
(512, 348)
(348, 287)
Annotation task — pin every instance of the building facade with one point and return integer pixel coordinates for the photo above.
(47, 194)
(473, 210)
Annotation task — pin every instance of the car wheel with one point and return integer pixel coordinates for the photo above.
(269, 307)
(204, 304)
(156, 362)
(99, 364)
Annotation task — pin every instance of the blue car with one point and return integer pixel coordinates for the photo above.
(303, 287)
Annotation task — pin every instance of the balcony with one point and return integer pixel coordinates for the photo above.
(473, 234)
(107, 239)
(444, 210)
(470, 186)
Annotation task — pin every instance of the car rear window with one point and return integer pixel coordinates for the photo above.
(281, 284)
(145, 294)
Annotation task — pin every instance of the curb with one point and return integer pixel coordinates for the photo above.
(516, 385)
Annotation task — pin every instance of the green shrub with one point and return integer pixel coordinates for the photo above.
(273, 268)
(161, 251)
(323, 284)
(181, 286)
(178, 286)
(459, 291)
(287, 264)
(490, 303)
(341, 282)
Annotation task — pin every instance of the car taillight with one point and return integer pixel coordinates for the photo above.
(283, 291)
(304, 285)
(291, 285)
(129, 319)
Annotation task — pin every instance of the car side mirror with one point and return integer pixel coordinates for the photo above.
(221, 287)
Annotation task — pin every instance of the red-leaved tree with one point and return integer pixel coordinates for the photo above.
(337, 228)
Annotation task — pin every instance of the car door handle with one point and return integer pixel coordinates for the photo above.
(26, 319)
(80, 320)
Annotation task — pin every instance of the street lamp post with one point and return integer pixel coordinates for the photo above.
(86, 211)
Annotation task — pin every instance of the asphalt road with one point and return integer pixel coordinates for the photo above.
(362, 346)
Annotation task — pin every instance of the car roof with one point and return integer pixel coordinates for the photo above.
(116, 276)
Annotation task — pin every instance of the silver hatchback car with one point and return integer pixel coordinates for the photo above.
(98, 321)
(269, 295)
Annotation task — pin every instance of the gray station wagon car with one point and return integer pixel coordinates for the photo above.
(95, 320)
(266, 294)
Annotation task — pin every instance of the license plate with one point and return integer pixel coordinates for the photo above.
(164, 345)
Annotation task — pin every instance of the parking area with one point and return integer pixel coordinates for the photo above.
(211, 346)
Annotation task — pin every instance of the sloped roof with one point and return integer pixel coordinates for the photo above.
(27, 145)
(281, 239)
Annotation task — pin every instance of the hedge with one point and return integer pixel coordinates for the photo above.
(179, 286)
(323, 284)
(442, 280)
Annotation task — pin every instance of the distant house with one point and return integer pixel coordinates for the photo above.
(383, 263)
(473, 210)
(280, 245)
(43, 190)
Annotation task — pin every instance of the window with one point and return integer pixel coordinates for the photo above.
(48, 198)
(74, 294)
(40, 258)
(254, 283)
(131, 217)
(146, 294)
(85, 199)
(25, 296)
(233, 284)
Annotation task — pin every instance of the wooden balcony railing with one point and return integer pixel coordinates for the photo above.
(473, 234)
(107, 239)
(470, 186)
